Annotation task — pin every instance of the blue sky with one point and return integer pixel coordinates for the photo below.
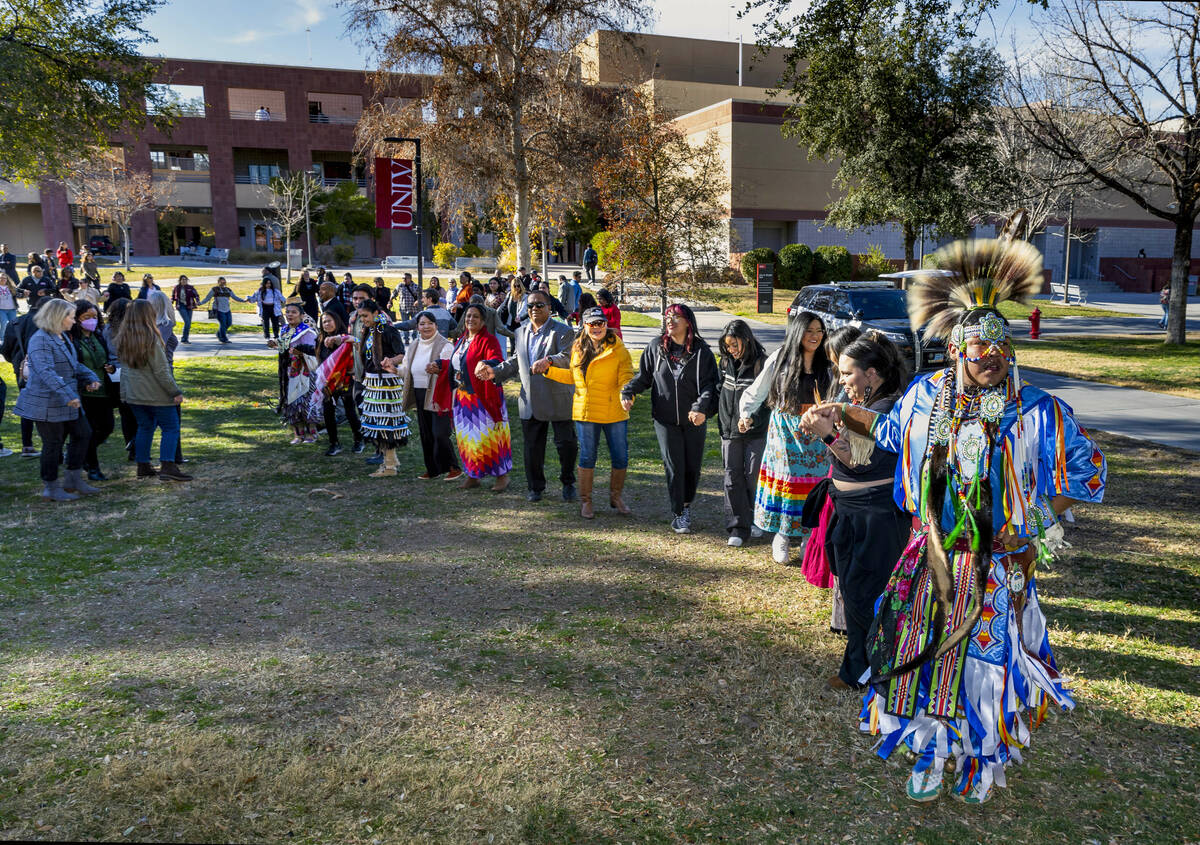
(273, 31)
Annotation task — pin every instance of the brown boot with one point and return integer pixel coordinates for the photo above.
(146, 471)
(616, 483)
(585, 493)
(167, 471)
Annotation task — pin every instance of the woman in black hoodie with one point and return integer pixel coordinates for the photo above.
(681, 371)
(742, 359)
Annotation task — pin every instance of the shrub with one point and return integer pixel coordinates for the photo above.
(832, 264)
(471, 251)
(929, 261)
(753, 258)
(606, 245)
(507, 262)
(342, 254)
(445, 253)
(873, 264)
(795, 266)
(249, 256)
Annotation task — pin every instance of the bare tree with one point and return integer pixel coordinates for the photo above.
(288, 209)
(1130, 73)
(115, 192)
(505, 114)
(665, 197)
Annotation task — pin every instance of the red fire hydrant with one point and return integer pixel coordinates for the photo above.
(1035, 323)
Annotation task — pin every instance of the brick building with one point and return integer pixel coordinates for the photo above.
(242, 124)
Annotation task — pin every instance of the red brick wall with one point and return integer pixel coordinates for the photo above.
(1149, 274)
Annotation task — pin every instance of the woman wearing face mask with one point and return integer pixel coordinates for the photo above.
(93, 352)
(427, 389)
(598, 365)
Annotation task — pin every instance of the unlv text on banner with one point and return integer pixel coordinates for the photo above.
(394, 189)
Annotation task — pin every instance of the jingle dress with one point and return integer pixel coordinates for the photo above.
(381, 410)
(480, 412)
(981, 699)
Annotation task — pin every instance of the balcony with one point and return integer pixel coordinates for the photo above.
(330, 182)
(332, 118)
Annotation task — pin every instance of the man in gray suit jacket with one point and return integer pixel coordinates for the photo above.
(543, 403)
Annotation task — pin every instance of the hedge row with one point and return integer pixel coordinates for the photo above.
(796, 265)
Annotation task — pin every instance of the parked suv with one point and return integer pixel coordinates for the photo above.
(871, 305)
(101, 245)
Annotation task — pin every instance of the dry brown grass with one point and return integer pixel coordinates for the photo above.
(251, 663)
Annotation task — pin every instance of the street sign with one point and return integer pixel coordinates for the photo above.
(766, 288)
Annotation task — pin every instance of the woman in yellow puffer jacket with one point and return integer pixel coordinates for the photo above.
(598, 365)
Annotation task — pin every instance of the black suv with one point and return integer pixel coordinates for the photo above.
(871, 305)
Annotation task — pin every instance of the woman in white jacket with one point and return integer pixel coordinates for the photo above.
(269, 302)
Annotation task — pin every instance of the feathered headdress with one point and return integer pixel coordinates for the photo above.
(978, 274)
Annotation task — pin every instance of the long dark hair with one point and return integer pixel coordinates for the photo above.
(338, 322)
(874, 349)
(82, 307)
(791, 380)
(753, 350)
(586, 301)
(678, 309)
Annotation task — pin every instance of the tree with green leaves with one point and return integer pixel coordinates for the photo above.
(71, 78)
(900, 94)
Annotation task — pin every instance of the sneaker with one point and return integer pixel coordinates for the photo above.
(375, 460)
(453, 475)
(358, 447)
(569, 493)
(533, 496)
(31, 452)
(781, 548)
(680, 525)
(295, 441)
(925, 785)
(756, 532)
(308, 441)
(424, 477)
(334, 449)
(735, 541)
(4, 453)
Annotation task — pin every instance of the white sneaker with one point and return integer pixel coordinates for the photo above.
(735, 541)
(781, 548)
(4, 453)
(681, 525)
(755, 532)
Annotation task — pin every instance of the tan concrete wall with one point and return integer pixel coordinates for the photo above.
(252, 196)
(18, 192)
(771, 172)
(609, 58)
(195, 194)
(21, 229)
(683, 98)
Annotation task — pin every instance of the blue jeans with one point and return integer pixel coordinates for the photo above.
(7, 315)
(616, 433)
(1162, 324)
(166, 418)
(224, 321)
(185, 314)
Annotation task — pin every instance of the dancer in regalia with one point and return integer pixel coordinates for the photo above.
(297, 353)
(381, 412)
(960, 662)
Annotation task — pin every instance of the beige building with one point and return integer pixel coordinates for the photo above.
(779, 196)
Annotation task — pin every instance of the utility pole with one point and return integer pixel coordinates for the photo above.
(1067, 249)
(420, 215)
(307, 224)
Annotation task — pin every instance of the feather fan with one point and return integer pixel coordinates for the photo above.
(973, 274)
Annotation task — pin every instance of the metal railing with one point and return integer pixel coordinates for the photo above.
(256, 179)
(197, 165)
(331, 181)
(333, 118)
(241, 114)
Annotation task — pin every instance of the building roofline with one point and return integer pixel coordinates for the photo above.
(261, 64)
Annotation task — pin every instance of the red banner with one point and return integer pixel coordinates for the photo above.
(395, 187)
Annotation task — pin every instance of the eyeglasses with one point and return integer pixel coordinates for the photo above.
(533, 305)
(597, 324)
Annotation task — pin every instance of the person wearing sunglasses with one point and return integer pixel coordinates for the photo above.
(598, 365)
(543, 403)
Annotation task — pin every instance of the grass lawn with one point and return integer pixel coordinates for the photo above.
(1125, 360)
(287, 650)
(1051, 310)
(742, 301)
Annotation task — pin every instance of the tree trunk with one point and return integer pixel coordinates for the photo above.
(663, 293)
(910, 238)
(125, 246)
(521, 191)
(1181, 260)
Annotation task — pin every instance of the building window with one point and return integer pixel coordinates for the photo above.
(334, 108)
(257, 104)
(187, 100)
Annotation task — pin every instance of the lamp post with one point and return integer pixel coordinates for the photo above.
(307, 220)
(420, 215)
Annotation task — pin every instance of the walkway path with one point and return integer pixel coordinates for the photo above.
(1156, 417)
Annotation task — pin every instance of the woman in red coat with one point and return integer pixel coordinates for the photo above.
(611, 312)
(480, 413)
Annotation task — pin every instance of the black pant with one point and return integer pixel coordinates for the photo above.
(436, 447)
(99, 413)
(534, 432)
(742, 457)
(682, 448)
(53, 435)
(865, 538)
(129, 425)
(270, 325)
(329, 407)
(591, 273)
